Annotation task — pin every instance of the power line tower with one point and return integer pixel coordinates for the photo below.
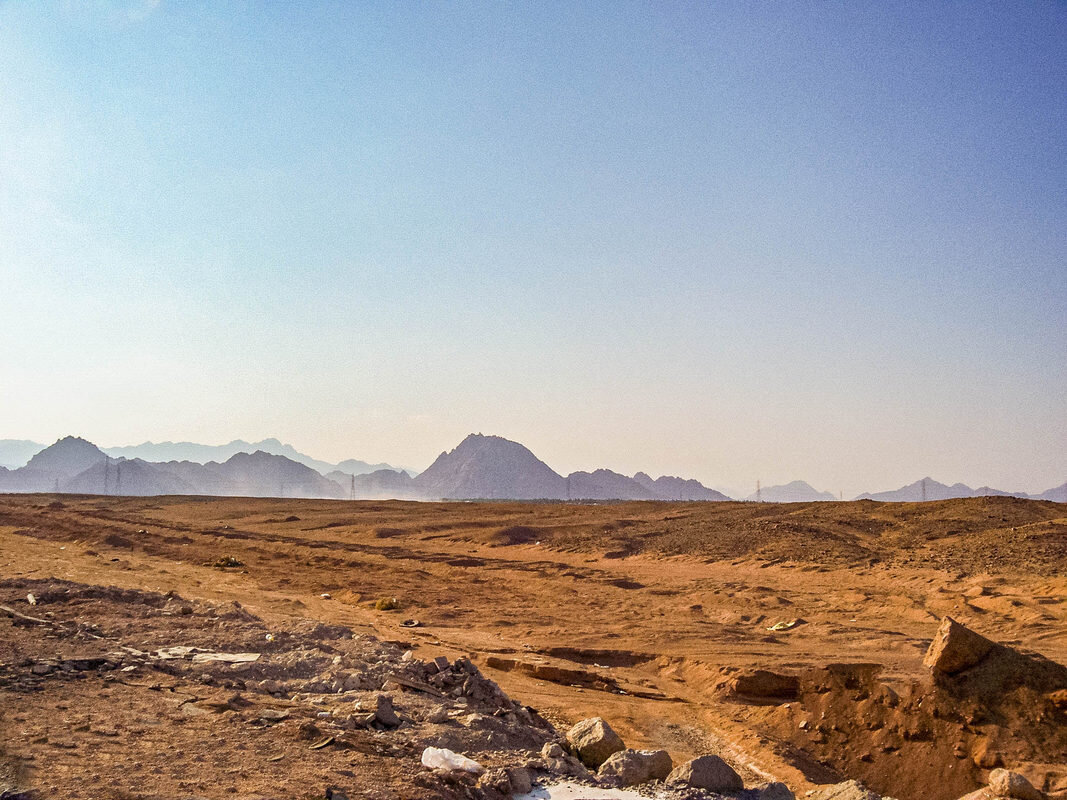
(759, 492)
(107, 469)
(118, 477)
(924, 490)
(352, 491)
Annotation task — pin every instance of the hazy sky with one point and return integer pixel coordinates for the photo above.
(728, 241)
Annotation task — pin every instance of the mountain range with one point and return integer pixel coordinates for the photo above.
(480, 467)
(929, 489)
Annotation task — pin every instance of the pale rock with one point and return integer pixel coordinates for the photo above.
(1005, 783)
(707, 772)
(593, 741)
(631, 767)
(955, 648)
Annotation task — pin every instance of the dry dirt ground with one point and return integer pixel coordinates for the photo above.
(643, 613)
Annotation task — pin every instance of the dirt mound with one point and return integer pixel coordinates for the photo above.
(962, 721)
(514, 534)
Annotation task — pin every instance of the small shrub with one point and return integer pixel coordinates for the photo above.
(387, 604)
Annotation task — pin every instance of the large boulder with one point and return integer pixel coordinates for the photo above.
(593, 741)
(631, 767)
(956, 648)
(1004, 783)
(707, 772)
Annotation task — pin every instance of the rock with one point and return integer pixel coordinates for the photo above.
(762, 684)
(593, 741)
(497, 780)
(955, 648)
(986, 753)
(552, 750)
(1004, 783)
(384, 712)
(774, 791)
(849, 790)
(631, 767)
(707, 772)
(438, 715)
(521, 780)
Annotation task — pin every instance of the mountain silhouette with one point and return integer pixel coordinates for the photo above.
(66, 458)
(382, 484)
(14, 453)
(262, 474)
(492, 468)
(793, 492)
(205, 453)
(132, 477)
(603, 484)
(668, 487)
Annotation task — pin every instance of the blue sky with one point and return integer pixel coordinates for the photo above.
(725, 240)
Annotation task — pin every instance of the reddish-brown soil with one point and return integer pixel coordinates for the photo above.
(641, 613)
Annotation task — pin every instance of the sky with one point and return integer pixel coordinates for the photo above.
(729, 241)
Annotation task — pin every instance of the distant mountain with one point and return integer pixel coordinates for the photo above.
(603, 484)
(793, 492)
(929, 489)
(205, 478)
(262, 474)
(14, 453)
(132, 477)
(382, 484)
(1056, 495)
(480, 467)
(490, 467)
(668, 487)
(923, 489)
(66, 458)
(203, 453)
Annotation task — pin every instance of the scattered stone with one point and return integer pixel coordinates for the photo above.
(631, 767)
(956, 648)
(593, 741)
(707, 772)
(1004, 783)
(497, 780)
(384, 712)
(552, 750)
(437, 715)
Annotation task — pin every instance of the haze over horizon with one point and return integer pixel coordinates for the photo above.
(726, 242)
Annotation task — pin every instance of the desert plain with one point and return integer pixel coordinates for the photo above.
(787, 638)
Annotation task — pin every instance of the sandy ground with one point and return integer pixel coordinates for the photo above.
(636, 612)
